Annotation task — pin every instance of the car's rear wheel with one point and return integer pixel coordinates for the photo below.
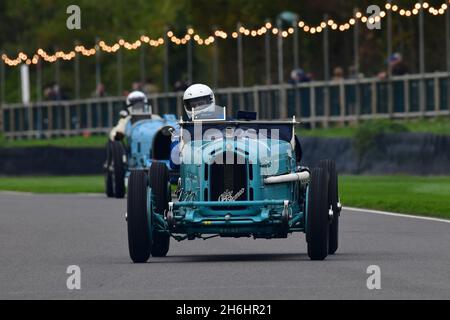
(108, 175)
(159, 183)
(333, 199)
(317, 219)
(118, 170)
(139, 218)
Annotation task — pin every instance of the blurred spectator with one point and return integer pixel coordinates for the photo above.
(48, 94)
(53, 92)
(150, 87)
(338, 74)
(352, 74)
(299, 76)
(398, 67)
(382, 75)
(180, 85)
(100, 91)
(137, 86)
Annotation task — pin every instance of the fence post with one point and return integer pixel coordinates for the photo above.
(166, 65)
(240, 64)
(298, 101)
(119, 71)
(326, 66)
(30, 120)
(98, 71)
(255, 100)
(267, 37)
(68, 119)
(447, 37)
(166, 60)
(422, 60)
(110, 114)
(296, 66)
(356, 62)
(2, 90)
(77, 74)
(216, 60)
(50, 118)
(283, 105)
(60, 116)
(189, 47)
(374, 97)
(89, 115)
(437, 94)
(390, 96)
(78, 123)
(230, 104)
(342, 102)
(155, 104)
(142, 62)
(280, 52)
(312, 105)
(406, 93)
(12, 123)
(57, 70)
(179, 104)
(295, 45)
(22, 118)
(39, 80)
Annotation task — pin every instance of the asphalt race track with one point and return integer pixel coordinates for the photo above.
(41, 235)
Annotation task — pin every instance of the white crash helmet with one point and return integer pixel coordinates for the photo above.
(137, 102)
(200, 98)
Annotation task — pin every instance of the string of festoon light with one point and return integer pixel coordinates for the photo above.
(191, 35)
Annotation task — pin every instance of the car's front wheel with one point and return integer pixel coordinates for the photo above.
(139, 218)
(159, 183)
(333, 199)
(317, 219)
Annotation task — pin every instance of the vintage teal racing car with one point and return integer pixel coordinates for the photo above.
(238, 178)
(140, 138)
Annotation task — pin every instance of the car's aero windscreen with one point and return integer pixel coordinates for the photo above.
(269, 130)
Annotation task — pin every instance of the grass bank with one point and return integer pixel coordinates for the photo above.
(436, 125)
(94, 141)
(440, 126)
(78, 184)
(427, 196)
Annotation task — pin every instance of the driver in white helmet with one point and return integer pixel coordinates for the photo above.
(200, 103)
(137, 102)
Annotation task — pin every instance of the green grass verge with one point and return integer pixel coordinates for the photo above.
(440, 125)
(427, 196)
(78, 184)
(96, 141)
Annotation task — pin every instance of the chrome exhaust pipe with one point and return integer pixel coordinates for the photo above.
(303, 177)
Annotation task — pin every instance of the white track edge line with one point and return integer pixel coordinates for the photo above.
(393, 214)
(386, 213)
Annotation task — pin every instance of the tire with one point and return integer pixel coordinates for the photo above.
(118, 174)
(108, 176)
(317, 220)
(159, 182)
(138, 224)
(333, 199)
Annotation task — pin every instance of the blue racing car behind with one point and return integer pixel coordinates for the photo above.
(139, 138)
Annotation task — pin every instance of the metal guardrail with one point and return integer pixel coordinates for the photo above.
(315, 103)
